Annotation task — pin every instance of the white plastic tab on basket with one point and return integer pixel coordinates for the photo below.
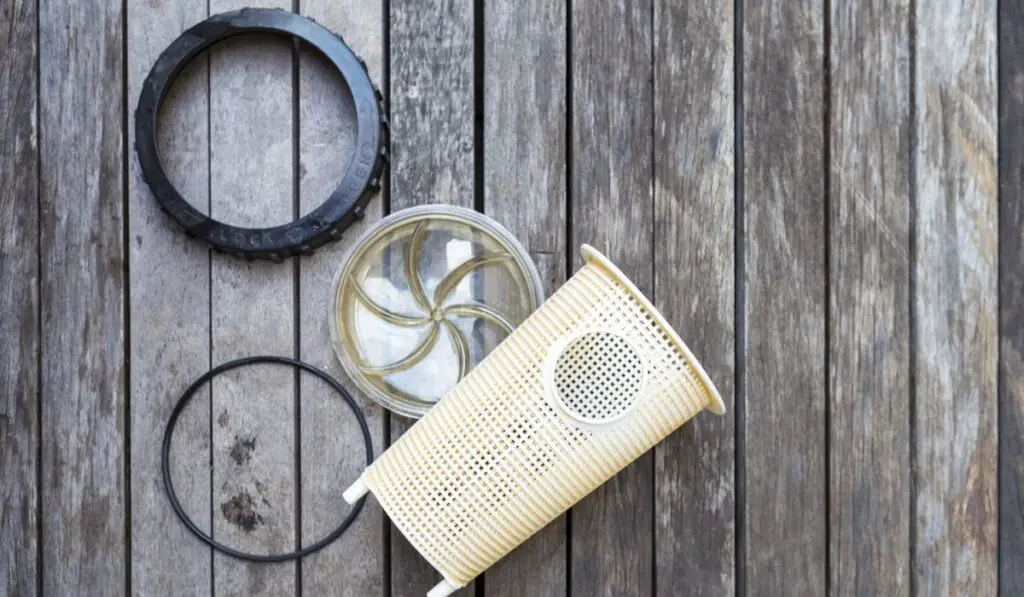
(587, 384)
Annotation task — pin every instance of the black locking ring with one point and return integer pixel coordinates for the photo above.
(348, 201)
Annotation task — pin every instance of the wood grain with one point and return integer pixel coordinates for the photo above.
(432, 114)
(19, 301)
(82, 295)
(694, 273)
(914, 245)
(253, 311)
(1011, 299)
(332, 454)
(784, 308)
(525, 127)
(170, 315)
(612, 209)
(955, 306)
(524, 176)
(432, 103)
(869, 278)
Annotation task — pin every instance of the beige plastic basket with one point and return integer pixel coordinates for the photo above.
(587, 384)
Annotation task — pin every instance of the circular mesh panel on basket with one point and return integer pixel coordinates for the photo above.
(598, 377)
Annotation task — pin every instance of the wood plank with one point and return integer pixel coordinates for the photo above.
(331, 454)
(525, 125)
(869, 320)
(432, 116)
(82, 293)
(170, 339)
(1011, 298)
(694, 236)
(784, 306)
(612, 209)
(432, 103)
(19, 301)
(524, 155)
(955, 305)
(253, 310)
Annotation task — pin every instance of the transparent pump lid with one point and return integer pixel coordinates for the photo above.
(423, 297)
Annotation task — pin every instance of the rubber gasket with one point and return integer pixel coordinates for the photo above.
(165, 459)
(346, 203)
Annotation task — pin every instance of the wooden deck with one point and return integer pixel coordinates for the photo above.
(823, 197)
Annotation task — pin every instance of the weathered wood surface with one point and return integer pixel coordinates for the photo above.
(784, 302)
(869, 278)
(694, 278)
(524, 188)
(612, 209)
(857, 339)
(432, 123)
(252, 158)
(169, 311)
(332, 453)
(82, 298)
(1011, 298)
(955, 190)
(19, 301)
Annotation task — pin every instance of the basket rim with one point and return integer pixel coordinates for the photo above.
(592, 255)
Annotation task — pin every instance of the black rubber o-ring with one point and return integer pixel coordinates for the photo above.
(345, 204)
(165, 459)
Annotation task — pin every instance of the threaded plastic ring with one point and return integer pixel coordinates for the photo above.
(347, 202)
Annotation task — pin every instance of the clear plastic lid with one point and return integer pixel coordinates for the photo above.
(423, 297)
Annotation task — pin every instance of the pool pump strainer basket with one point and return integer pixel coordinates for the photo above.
(586, 385)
